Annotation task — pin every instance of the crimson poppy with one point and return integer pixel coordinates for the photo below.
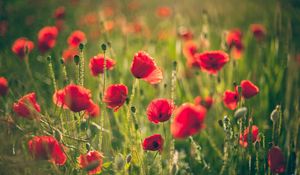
(231, 99)
(59, 13)
(97, 64)
(249, 89)
(74, 97)
(3, 86)
(47, 148)
(244, 137)
(206, 102)
(212, 61)
(160, 110)
(93, 110)
(27, 106)
(234, 42)
(69, 53)
(47, 38)
(185, 34)
(21, 46)
(276, 160)
(144, 67)
(153, 143)
(258, 31)
(115, 96)
(189, 50)
(76, 38)
(188, 120)
(91, 162)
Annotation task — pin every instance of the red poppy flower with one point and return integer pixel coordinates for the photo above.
(76, 38)
(244, 136)
(153, 143)
(27, 106)
(259, 31)
(249, 89)
(231, 99)
(276, 160)
(73, 97)
(20, 45)
(189, 50)
(115, 96)
(47, 38)
(160, 110)
(212, 61)
(59, 13)
(97, 64)
(185, 34)
(234, 42)
(91, 162)
(47, 148)
(94, 110)
(68, 54)
(188, 120)
(206, 102)
(144, 67)
(164, 11)
(3, 86)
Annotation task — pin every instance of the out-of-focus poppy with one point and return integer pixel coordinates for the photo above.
(276, 160)
(248, 89)
(97, 64)
(76, 38)
(244, 136)
(91, 162)
(47, 38)
(3, 86)
(21, 46)
(188, 120)
(47, 148)
(27, 106)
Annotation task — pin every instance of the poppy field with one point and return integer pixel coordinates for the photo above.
(149, 87)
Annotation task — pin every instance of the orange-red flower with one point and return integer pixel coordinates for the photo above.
(91, 162)
(231, 99)
(185, 34)
(258, 31)
(3, 86)
(153, 143)
(189, 50)
(244, 137)
(73, 97)
(27, 106)
(188, 120)
(206, 102)
(160, 110)
(234, 42)
(249, 89)
(47, 38)
(144, 67)
(212, 61)
(76, 38)
(163, 11)
(97, 64)
(47, 148)
(276, 160)
(21, 45)
(115, 96)
(94, 110)
(69, 53)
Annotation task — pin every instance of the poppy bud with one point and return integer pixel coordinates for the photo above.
(119, 163)
(61, 61)
(275, 113)
(88, 146)
(103, 47)
(128, 158)
(49, 58)
(81, 46)
(76, 59)
(132, 109)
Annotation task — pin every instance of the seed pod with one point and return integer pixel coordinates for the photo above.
(81, 46)
(128, 158)
(241, 112)
(76, 59)
(103, 47)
